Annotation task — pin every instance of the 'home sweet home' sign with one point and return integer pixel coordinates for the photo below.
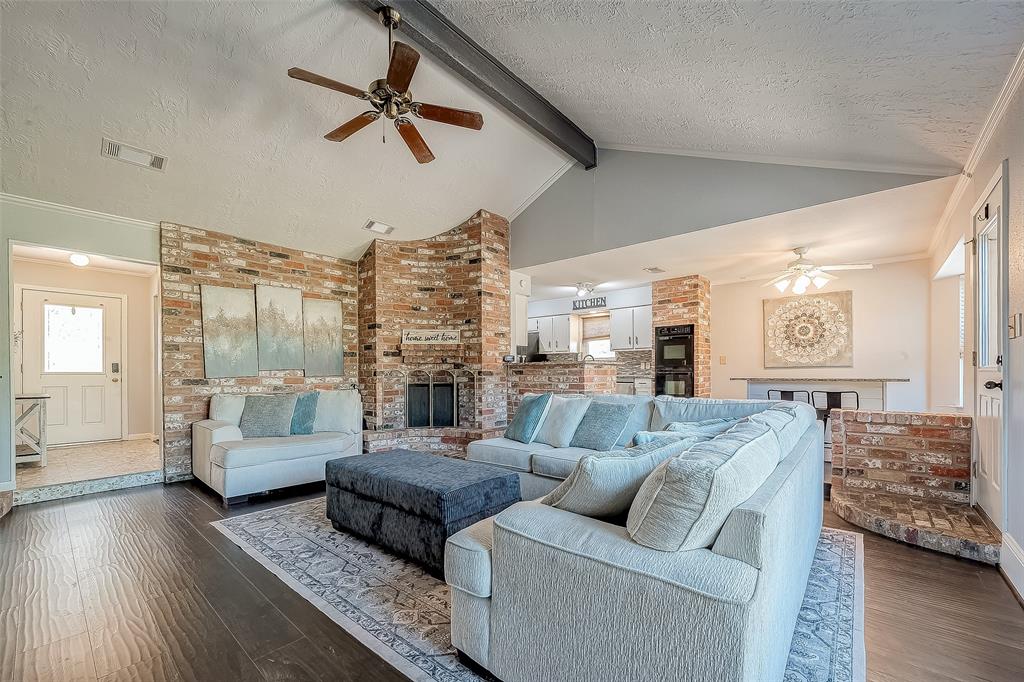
(447, 337)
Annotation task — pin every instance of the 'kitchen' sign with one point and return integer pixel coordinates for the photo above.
(446, 337)
(588, 303)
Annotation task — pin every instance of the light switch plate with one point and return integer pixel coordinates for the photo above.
(721, 359)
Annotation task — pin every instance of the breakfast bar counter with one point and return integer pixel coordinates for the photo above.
(871, 390)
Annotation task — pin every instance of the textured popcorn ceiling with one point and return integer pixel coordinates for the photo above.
(883, 85)
(205, 84)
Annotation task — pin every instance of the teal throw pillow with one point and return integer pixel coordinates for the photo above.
(529, 416)
(305, 413)
(602, 425)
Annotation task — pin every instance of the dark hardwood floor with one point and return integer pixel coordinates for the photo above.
(135, 585)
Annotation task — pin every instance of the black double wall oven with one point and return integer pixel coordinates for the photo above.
(673, 360)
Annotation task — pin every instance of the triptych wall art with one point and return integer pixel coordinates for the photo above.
(271, 328)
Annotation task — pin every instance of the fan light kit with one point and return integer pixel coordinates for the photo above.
(584, 289)
(79, 259)
(392, 98)
(802, 273)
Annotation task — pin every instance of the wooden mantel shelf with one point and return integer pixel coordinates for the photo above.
(819, 380)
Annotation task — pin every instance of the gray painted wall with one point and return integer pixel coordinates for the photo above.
(635, 197)
(52, 225)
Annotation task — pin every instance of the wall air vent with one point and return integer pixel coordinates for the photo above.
(132, 155)
(654, 270)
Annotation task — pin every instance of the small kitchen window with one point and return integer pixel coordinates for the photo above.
(597, 340)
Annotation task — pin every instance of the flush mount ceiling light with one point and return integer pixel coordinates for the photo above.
(79, 259)
(379, 228)
(584, 289)
(802, 273)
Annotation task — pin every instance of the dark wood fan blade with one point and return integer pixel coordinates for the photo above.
(453, 117)
(414, 140)
(402, 66)
(355, 125)
(324, 82)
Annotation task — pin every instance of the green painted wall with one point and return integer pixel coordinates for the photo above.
(41, 223)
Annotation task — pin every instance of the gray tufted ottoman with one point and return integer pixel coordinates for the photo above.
(410, 502)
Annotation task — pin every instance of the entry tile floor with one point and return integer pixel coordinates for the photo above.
(90, 461)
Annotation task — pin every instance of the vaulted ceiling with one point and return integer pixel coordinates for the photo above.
(205, 84)
(882, 85)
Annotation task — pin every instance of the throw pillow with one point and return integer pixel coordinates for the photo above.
(528, 417)
(339, 411)
(227, 407)
(563, 417)
(266, 416)
(686, 500)
(305, 413)
(604, 484)
(639, 418)
(601, 427)
(707, 428)
(668, 409)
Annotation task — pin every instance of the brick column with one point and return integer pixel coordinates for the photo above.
(687, 300)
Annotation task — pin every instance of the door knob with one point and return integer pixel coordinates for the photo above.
(115, 380)
(994, 384)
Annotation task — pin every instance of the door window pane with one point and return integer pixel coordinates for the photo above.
(988, 295)
(72, 339)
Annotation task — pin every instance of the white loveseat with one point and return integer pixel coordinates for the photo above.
(237, 467)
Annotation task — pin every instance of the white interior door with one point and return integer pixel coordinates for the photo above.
(71, 350)
(990, 312)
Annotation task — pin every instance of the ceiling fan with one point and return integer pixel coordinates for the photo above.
(802, 273)
(391, 97)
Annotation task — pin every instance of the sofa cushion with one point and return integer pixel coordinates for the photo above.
(639, 418)
(504, 452)
(685, 501)
(467, 558)
(339, 411)
(604, 484)
(305, 413)
(789, 421)
(227, 407)
(668, 409)
(267, 416)
(706, 428)
(528, 418)
(601, 426)
(563, 417)
(255, 451)
(557, 462)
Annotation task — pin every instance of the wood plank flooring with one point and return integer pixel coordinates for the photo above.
(135, 585)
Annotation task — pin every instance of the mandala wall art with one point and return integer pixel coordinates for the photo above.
(809, 331)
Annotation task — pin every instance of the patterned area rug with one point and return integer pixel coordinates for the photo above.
(402, 613)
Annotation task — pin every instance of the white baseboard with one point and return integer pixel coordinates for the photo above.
(141, 436)
(1011, 562)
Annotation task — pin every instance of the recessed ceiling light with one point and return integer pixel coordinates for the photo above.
(79, 259)
(654, 269)
(379, 228)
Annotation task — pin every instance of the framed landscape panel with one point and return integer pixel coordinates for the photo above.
(809, 331)
(325, 352)
(229, 332)
(279, 327)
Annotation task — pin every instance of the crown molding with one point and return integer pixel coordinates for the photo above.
(543, 188)
(29, 202)
(995, 117)
(934, 171)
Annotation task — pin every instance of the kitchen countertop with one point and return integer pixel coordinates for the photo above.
(819, 380)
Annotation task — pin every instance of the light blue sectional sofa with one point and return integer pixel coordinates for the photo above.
(540, 593)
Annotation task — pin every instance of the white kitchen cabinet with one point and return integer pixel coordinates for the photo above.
(533, 324)
(631, 328)
(643, 327)
(558, 333)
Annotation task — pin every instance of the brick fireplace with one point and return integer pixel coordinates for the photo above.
(456, 281)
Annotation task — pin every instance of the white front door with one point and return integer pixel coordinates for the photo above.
(71, 350)
(990, 312)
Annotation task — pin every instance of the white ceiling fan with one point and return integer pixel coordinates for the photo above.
(802, 273)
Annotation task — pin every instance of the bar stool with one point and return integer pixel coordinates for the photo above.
(791, 396)
(833, 400)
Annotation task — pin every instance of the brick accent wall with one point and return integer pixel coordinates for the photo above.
(687, 300)
(192, 257)
(447, 442)
(456, 280)
(912, 454)
(587, 378)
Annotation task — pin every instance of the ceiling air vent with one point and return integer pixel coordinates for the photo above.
(133, 155)
(654, 270)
